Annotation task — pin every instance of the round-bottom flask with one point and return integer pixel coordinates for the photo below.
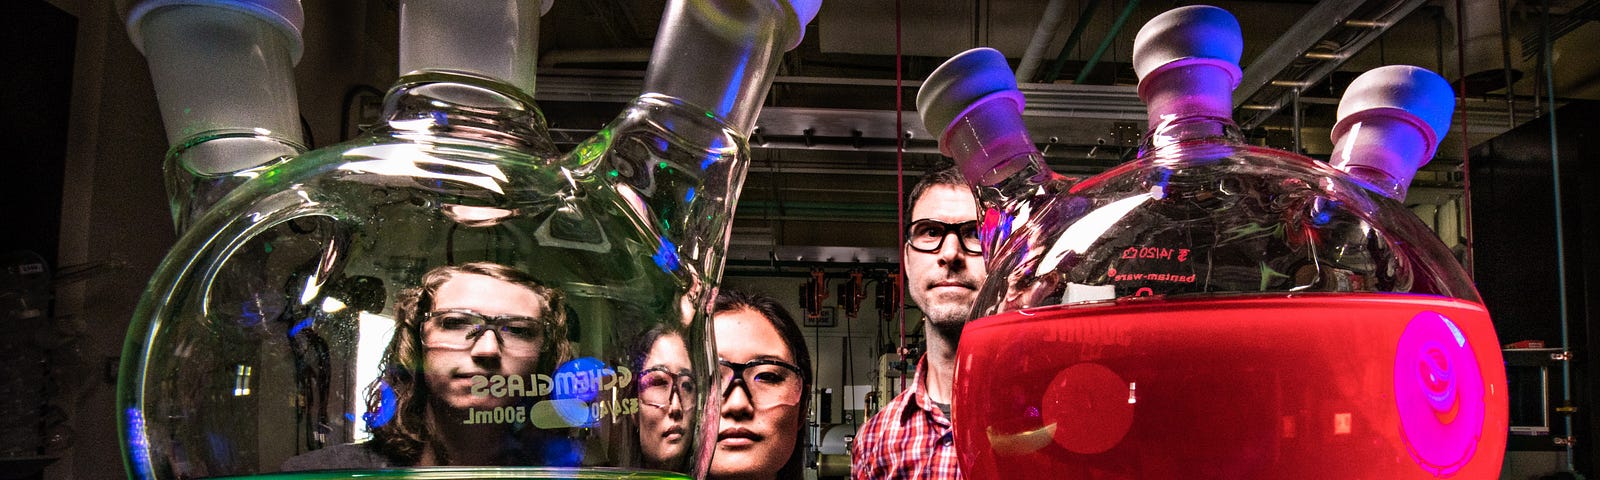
(292, 329)
(1213, 309)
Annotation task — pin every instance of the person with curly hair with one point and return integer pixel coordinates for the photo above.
(462, 325)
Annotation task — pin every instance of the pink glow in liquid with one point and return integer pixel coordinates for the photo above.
(1344, 385)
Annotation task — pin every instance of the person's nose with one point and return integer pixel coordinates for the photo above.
(950, 253)
(675, 403)
(738, 404)
(486, 345)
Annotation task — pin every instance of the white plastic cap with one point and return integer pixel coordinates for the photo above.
(1187, 60)
(1200, 33)
(285, 15)
(1401, 88)
(960, 82)
(1390, 122)
(804, 11)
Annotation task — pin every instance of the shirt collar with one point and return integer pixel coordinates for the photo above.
(918, 399)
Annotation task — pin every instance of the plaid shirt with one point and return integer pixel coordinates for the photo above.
(909, 439)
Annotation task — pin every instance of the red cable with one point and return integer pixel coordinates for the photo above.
(900, 182)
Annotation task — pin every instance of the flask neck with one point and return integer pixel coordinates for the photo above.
(497, 40)
(463, 106)
(1383, 147)
(1188, 100)
(721, 56)
(677, 170)
(989, 141)
(248, 85)
(1181, 130)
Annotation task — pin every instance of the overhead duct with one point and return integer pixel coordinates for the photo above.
(1485, 49)
(1054, 14)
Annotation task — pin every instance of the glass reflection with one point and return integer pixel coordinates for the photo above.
(426, 406)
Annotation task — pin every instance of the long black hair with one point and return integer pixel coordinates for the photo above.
(795, 341)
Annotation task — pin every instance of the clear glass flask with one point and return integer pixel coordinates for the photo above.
(1210, 309)
(448, 296)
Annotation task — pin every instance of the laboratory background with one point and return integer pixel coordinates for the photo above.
(832, 155)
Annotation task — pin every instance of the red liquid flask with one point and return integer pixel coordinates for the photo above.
(1211, 309)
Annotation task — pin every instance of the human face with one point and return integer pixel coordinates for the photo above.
(661, 426)
(753, 440)
(449, 372)
(944, 282)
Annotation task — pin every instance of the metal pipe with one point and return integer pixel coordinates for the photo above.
(1365, 24)
(1296, 113)
(1299, 38)
(1561, 253)
(1111, 36)
(1314, 27)
(1048, 24)
(1072, 41)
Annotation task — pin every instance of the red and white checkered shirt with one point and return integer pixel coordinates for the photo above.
(909, 439)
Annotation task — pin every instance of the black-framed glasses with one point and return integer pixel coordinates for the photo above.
(658, 386)
(458, 329)
(766, 382)
(927, 235)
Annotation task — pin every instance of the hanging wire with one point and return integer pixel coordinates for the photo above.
(1466, 148)
(1561, 253)
(899, 181)
(849, 377)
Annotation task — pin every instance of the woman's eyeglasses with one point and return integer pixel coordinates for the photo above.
(658, 386)
(766, 382)
(459, 329)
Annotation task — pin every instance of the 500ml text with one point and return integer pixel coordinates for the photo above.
(546, 413)
(516, 414)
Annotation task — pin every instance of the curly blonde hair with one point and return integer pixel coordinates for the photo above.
(403, 437)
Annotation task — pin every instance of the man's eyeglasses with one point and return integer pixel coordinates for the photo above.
(458, 329)
(657, 386)
(927, 236)
(766, 382)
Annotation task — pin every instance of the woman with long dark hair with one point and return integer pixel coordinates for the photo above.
(763, 376)
(667, 396)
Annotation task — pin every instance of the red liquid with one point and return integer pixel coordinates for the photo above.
(1374, 386)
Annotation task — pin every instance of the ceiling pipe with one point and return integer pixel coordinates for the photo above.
(1300, 38)
(1072, 42)
(1270, 79)
(1111, 36)
(1054, 14)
